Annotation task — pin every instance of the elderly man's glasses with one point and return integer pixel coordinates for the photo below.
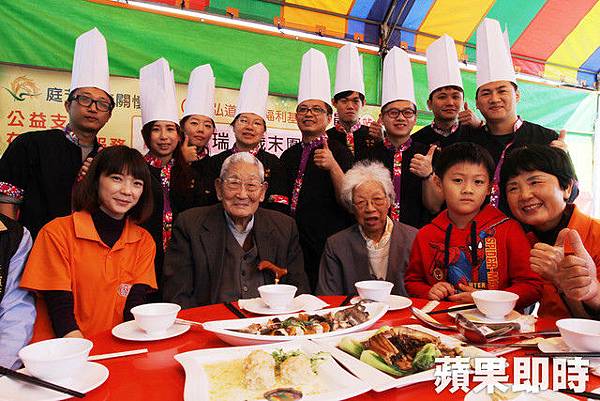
(87, 101)
(235, 184)
(363, 204)
(316, 110)
(395, 113)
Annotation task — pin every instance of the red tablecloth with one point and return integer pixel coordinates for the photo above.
(158, 376)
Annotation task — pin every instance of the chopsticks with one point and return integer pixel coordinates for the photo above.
(117, 354)
(39, 382)
(188, 322)
(496, 345)
(456, 308)
(568, 354)
(234, 310)
(347, 300)
(587, 394)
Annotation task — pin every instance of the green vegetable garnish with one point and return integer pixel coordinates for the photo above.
(425, 358)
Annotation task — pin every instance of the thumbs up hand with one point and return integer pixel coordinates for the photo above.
(561, 142)
(544, 258)
(376, 129)
(468, 117)
(421, 165)
(323, 157)
(577, 271)
(188, 151)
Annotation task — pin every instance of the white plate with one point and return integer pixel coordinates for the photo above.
(395, 302)
(257, 305)
(91, 376)
(339, 384)
(224, 329)
(557, 344)
(524, 396)
(379, 380)
(477, 317)
(132, 332)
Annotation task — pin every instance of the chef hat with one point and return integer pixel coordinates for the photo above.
(348, 71)
(397, 78)
(90, 62)
(201, 93)
(314, 78)
(442, 64)
(157, 92)
(254, 91)
(494, 62)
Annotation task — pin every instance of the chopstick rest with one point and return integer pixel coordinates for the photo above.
(39, 382)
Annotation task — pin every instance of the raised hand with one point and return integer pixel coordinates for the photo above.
(468, 117)
(376, 129)
(323, 157)
(544, 259)
(577, 271)
(188, 151)
(561, 142)
(421, 165)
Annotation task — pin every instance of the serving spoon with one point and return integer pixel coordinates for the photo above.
(465, 327)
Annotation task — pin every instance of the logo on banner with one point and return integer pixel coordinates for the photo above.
(22, 88)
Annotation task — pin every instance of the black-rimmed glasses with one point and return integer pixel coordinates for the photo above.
(87, 101)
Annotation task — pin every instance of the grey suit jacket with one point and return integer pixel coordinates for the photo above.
(193, 266)
(345, 260)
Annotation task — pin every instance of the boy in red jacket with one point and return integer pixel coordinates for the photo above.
(470, 246)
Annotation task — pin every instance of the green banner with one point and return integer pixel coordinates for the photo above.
(42, 33)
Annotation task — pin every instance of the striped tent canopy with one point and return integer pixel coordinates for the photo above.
(553, 39)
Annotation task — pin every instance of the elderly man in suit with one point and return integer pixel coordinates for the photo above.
(376, 248)
(215, 250)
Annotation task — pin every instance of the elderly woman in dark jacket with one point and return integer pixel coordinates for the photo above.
(376, 248)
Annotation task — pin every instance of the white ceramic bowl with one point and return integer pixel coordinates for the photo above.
(155, 318)
(495, 304)
(375, 290)
(56, 359)
(277, 296)
(580, 334)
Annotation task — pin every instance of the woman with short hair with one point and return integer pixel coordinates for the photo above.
(93, 266)
(376, 248)
(537, 182)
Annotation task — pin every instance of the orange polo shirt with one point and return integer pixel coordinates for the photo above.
(588, 228)
(68, 255)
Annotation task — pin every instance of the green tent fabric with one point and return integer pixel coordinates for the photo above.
(42, 33)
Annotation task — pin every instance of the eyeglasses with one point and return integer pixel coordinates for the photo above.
(316, 110)
(395, 113)
(364, 203)
(235, 184)
(87, 101)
